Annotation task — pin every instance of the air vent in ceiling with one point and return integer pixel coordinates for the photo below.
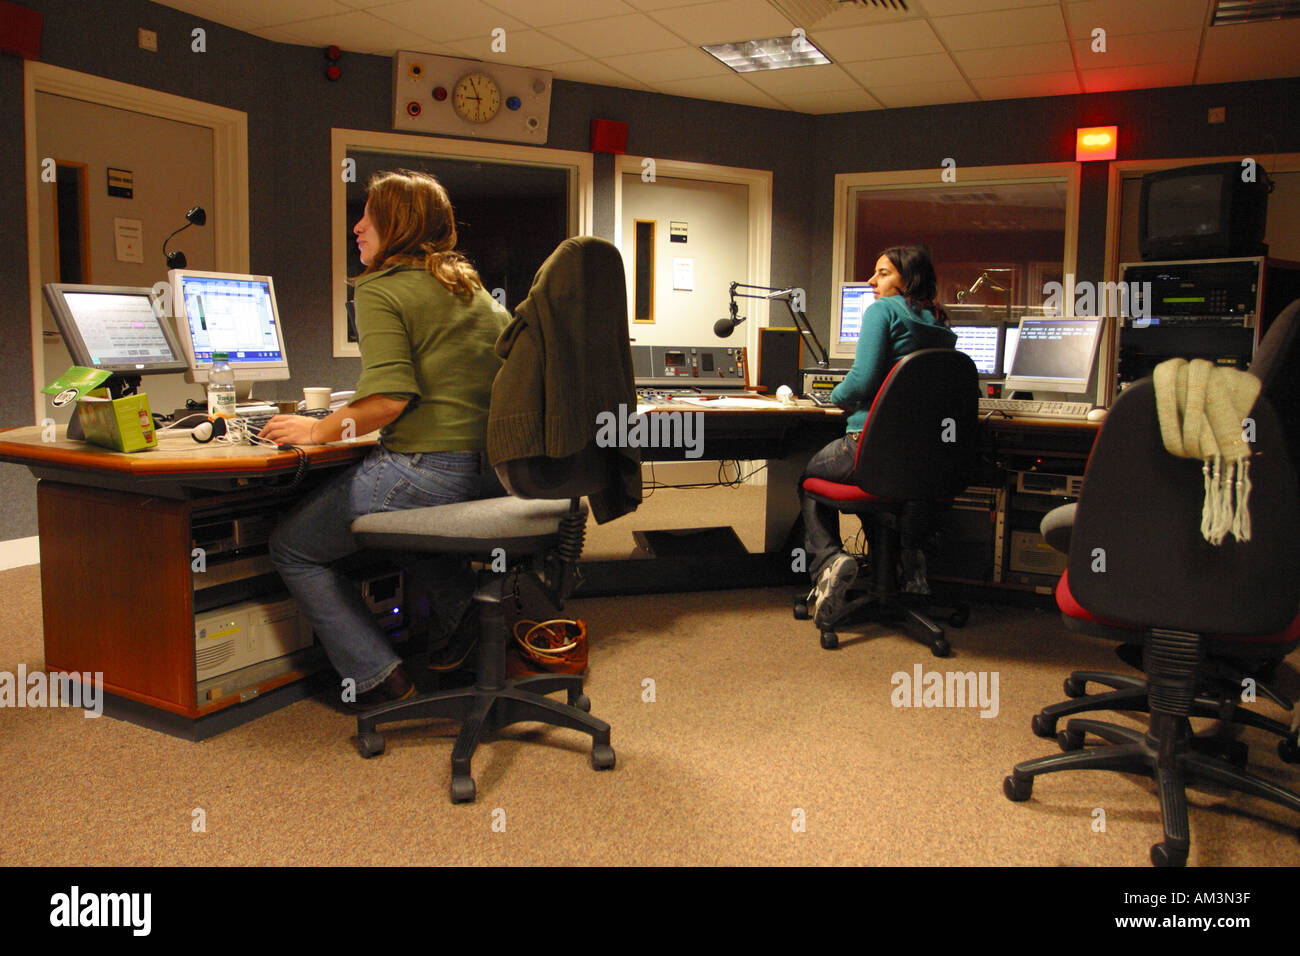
(1253, 11)
(808, 12)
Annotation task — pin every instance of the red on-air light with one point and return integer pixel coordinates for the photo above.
(1095, 142)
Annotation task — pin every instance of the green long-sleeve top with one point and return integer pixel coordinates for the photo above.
(891, 329)
(423, 342)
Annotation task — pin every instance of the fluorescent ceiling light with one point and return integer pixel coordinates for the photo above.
(778, 53)
(1253, 11)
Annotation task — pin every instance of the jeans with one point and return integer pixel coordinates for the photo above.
(317, 533)
(821, 523)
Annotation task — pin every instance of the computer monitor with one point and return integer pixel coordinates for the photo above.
(235, 314)
(1010, 336)
(982, 342)
(854, 300)
(116, 328)
(1054, 355)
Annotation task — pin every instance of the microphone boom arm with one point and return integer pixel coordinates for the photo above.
(800, 317)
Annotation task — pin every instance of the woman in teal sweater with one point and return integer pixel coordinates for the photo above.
(903, 319)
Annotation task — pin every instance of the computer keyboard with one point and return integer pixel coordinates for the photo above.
(1022, 408)
(256, 420)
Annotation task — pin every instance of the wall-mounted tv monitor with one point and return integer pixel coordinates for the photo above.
(1054, 355)
(1209, 211)
(982, 342)
(116, 328)
(235, 314)
(853, 301)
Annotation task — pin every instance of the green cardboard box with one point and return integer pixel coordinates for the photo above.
(123, 424)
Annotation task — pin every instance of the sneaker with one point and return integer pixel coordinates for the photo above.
(396, 686)
(454, 653)
(830, 594)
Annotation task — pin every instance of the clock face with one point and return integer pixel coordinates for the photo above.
(476, 97)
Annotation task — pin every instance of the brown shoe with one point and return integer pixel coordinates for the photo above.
(396, 686)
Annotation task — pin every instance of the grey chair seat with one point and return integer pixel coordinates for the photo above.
(1057, 525)
(520, 526)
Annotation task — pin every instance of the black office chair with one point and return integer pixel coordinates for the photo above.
(1277, 365)
(542, 539)
(915, 454)
(1140, 572)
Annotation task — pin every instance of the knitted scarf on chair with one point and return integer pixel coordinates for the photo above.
(1202, 408)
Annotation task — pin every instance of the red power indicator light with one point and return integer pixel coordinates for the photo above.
(440, 93)
(1095, 142)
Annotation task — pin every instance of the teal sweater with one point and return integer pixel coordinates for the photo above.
(890, 330)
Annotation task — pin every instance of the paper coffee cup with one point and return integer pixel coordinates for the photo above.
(316, 397)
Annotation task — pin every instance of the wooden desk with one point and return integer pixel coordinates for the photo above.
(119, 593)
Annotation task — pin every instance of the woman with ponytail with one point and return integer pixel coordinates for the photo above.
(904, 319)
(427, 331)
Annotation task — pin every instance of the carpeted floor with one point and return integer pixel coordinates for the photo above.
(739, 741)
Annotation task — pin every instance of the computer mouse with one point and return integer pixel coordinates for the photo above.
(1097, 414)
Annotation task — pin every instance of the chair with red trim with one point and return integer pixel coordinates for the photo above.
(1277, 365)
(1140, 572)
(915, 455)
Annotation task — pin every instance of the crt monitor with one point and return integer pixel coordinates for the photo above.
(854, 300)
(1210, 211)
(982, 342)
(1054, 355)
(235, 314)
(116, 328)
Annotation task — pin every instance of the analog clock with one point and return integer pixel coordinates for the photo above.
(476, 97)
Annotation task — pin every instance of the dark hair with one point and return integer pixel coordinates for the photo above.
(916, 272)
(415, 223)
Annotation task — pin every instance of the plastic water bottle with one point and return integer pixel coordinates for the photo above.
(221, 387)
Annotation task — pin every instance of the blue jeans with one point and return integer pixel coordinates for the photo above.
(317, 533)
(821, 523)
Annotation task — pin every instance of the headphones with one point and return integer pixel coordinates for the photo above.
(204, 432)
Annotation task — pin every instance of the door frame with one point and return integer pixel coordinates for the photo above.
(759, 228)
(229, 128)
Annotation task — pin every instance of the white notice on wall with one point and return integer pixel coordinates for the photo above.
(684, 275)
(129, 236)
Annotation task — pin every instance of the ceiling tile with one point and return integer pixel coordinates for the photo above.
(1247, 51)
(1016, 60)
(358, 31)
(1018, 87)
(590, 71)
(1137, 48)
(274, 14)
(842, 101)
(804, 79)
(209, 10)
(632, 33)
(930, 68)
(523, 48)
(947, 8)
(683, 64)
(882, 42)
(725, 89)
(444, 22)
(922, 94)
(1126, 16)
(725, 21)
(545, 13)
(1138, 77)
(1001, 28)
(852, 15)
(660, 4)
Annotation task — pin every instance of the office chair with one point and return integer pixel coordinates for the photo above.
(540, 530)
(1277, 365)
(915, 454)
(1140, 573)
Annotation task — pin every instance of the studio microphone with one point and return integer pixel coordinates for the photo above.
(724, 327)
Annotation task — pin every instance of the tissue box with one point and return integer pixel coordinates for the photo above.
(123, 424)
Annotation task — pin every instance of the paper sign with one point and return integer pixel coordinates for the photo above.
(684, 275)
(129, 235)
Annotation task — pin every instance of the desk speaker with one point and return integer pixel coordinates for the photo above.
(779, 359)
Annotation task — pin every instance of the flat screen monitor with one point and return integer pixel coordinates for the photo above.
(235, 314)
(854, 300)
(1054, 355)
(982, 342)
(1009, 339)
(116, 328)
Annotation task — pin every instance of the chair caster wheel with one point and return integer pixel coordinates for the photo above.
(1288, 751)
(1017, 789)
(1075, 688)
(1162, 854)
(1043, 726)
(582, 702)
(602, 757)
(830, 640)
(960, 616)
(801, 610)
(370, 745)
(1069, 740)
(940, 648)
(462, 790)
